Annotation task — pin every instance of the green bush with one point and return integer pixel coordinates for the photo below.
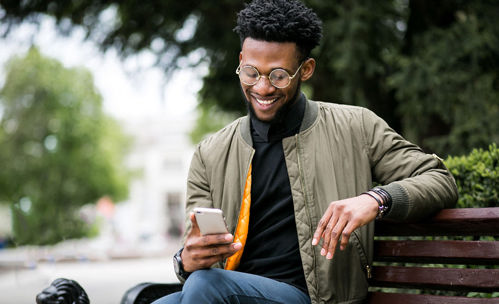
(477, 177)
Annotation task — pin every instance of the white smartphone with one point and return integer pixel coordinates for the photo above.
(210, 221)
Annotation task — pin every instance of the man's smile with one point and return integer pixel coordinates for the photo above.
(265, 101)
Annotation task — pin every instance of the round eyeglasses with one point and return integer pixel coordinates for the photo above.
(279, 78)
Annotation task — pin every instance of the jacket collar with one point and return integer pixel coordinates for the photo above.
(309, 117)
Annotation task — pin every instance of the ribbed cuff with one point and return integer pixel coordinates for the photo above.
(400, 202)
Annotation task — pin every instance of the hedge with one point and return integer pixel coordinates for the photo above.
(477, 177)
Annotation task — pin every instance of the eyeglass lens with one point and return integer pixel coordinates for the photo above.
(278, 77)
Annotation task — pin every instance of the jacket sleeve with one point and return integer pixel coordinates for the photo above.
(419, 183)
(198, 188)
(198, 191)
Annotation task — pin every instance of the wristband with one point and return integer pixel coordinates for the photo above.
(385, 196)
(381, 206)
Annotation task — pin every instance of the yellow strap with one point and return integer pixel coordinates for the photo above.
(242, 224)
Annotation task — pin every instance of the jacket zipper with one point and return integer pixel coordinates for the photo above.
(365, 259)
(369, 273)
(307, 210)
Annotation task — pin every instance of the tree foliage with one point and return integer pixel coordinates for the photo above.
(430, 68)
(59, 150)
(477, 177)
(447, 77)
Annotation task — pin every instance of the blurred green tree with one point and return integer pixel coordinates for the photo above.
(429, 68)
(59, 150)
(446, 75)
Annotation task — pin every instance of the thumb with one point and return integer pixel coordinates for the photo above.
(194, 225)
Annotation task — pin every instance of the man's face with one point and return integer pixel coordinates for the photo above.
(264, 98)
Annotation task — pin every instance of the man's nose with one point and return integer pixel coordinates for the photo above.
(263, 86)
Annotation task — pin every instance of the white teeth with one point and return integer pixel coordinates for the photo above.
(265, 102)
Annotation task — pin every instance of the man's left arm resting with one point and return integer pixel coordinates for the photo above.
(415, 185)
(419, 183)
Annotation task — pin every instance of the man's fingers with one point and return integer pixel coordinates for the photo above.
(235, 247)
(345, 236)
(206, 256)
(207, 246)
(317, 235)
(203, 263)
(328, 234)
(217, 250)
(216, 239)
(206, 242)
(321, 227)
(335, 235)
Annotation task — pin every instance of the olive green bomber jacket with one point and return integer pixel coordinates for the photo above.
(338, 153)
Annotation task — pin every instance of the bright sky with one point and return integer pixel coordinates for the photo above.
(132, 89)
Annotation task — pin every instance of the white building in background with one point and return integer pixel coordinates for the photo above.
(160, 157)
(161, 152)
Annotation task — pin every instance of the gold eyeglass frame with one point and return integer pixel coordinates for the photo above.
(238, 70)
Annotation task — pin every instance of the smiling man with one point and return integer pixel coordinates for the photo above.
(270, 98)
(294, 180)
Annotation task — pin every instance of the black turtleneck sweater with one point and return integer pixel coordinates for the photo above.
(271, 248)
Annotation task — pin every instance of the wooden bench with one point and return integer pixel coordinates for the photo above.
(422, 275)
(466, 254)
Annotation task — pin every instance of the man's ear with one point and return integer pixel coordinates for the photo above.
(307, 69)
(240, 56)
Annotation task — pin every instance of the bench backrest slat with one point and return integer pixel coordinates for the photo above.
(448, 222)
(387, 298)
(484, 280)
(444, 252)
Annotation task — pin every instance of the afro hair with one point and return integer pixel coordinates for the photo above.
(280, 21)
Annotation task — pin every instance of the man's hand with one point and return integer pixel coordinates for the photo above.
(202, 251)
(341, 219)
